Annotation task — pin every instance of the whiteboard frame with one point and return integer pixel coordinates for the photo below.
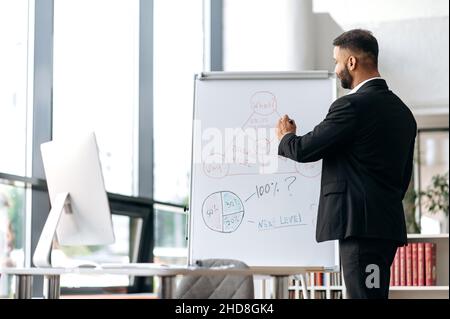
(285, 75)
(265, 75)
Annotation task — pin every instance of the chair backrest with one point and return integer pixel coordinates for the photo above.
(216, 287)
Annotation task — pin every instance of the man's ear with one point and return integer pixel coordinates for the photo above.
(351, 63)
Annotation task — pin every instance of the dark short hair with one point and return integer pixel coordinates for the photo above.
(359, 41)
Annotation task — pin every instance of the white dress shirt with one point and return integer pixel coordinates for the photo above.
(356, 88)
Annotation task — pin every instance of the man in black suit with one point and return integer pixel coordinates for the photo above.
(366, 142)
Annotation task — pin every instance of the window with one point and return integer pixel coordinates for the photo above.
(96, 81)
(15, 64)
(433, 162)
(177, 58)
(170, 235)
(96, 88)
(14, 50)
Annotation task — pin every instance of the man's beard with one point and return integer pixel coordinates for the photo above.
(346, 79)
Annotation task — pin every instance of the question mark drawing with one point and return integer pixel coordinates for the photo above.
(294, 179)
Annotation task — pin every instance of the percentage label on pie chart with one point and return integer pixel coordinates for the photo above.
(223, 212)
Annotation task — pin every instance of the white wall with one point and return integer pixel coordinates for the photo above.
(268, 35)
(412, 34)
(414, 58)
(348, 13)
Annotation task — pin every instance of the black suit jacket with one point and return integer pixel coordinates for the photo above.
(366, 142)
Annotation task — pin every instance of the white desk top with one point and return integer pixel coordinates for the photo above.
(145, 270)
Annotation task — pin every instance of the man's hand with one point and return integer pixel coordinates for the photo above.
(285, 125)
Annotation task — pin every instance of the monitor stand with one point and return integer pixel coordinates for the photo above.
(43, 251)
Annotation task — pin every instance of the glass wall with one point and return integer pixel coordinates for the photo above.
(14, 53)
(96, 82)
(96, 88)
(96, 69)
(15, 107)
(178, 56)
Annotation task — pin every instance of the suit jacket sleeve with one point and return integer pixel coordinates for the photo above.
(334, 131)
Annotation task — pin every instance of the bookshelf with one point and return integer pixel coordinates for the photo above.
(332, 287)
(441, 290)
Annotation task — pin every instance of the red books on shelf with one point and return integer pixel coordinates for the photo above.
(430, 264)
(414, 265)
(318, 279)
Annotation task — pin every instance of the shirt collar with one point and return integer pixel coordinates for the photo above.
(356, 88)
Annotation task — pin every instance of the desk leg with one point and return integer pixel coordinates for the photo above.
(24, 285)
(51, 287)
(281, 287)
(166, 287)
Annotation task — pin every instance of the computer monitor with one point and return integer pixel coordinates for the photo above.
(80, 213)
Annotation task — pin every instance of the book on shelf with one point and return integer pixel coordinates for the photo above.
(402, 266)
(421, 264)
(291, 294)
(430, 264)
(319, 278)
(320, 294)
(414, 265)
(408, 256)
(396, 271)
(335, 279)
(337, 294)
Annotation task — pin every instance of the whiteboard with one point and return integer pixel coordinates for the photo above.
(242, 206)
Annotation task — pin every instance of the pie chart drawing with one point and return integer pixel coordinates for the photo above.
(223, 211)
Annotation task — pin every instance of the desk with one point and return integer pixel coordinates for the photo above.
(165, 274)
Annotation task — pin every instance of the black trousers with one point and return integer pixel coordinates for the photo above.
(366, 265)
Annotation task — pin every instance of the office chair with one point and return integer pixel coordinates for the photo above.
(216, 287)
